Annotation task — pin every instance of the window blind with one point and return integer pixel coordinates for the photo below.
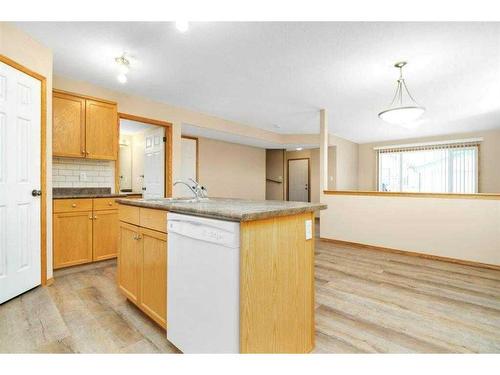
(434, 168)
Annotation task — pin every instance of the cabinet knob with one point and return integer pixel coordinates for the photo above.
(73, 205)
(110, 203)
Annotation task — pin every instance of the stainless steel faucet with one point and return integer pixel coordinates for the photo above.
(200, 192)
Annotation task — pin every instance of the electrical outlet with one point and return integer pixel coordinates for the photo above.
(309, 229)
(83, 176)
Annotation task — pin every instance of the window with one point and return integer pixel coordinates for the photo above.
(451, 168)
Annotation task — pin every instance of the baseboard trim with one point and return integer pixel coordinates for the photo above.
(49, 282)
(414, 254)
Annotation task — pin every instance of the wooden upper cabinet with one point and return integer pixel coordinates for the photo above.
(84, 127)
(101, 130)
(68, 134)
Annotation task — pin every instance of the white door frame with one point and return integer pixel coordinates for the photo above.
(43, 182)
(308, 177)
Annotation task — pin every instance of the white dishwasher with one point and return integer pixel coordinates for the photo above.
(203, 284)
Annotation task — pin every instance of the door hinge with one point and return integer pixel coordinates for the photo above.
(164, 139)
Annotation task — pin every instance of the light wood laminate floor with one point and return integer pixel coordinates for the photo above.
(367, 301)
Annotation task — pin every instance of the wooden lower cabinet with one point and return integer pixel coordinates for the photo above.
(105, 234)
(142, 269)
(72, 238)
(128, 261)
(83, 234)
(153, 271)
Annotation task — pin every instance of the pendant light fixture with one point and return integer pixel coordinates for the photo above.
(402, 111)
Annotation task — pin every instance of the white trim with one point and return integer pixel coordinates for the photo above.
(437, 143)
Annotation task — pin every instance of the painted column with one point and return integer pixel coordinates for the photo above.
(323, 151)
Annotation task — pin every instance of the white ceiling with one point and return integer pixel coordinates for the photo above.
(267, 74)
(130, 127)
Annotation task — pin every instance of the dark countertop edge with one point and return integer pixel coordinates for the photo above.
(89, 196)
(248, 217)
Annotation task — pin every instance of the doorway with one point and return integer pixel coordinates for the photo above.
(299, 180)
(144, 158)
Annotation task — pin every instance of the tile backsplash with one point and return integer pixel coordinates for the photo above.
(69, 172)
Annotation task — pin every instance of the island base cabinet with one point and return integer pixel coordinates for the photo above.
(128, 261)
(153, 271)
(142, 269)
(277, 285)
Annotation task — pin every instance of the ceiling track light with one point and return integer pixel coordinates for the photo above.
(402, 111)
(123, 68)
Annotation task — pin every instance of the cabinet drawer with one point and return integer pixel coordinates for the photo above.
(153, 219)
(128, 214)
(105, 204)
(72, 205)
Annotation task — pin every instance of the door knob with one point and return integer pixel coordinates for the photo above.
(36, 193)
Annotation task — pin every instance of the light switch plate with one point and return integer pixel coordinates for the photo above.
(309, 229)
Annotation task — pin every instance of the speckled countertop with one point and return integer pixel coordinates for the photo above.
(75, 193)
(227, 209)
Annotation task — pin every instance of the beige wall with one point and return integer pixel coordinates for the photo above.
(346, 156)
(275, 174)
(24, 50)
(466, 229)
(489, 158)
(231, 170)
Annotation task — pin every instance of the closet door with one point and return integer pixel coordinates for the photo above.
(20, 161)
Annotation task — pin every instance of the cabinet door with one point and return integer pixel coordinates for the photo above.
(128, 261)
(72, 238)
(105, 234)
(101, 130)
(154, 275)
(68, 125)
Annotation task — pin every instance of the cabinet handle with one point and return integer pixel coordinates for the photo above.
(73, 205)
(139, 237)
(95, 217)
(87, 153)
(90, 217)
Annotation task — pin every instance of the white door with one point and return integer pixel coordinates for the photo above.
(298, 180)
(189, 159)
(154, 164)
(125, 166)
(20, 158)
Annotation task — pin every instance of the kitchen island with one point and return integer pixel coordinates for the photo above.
(276, 266)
